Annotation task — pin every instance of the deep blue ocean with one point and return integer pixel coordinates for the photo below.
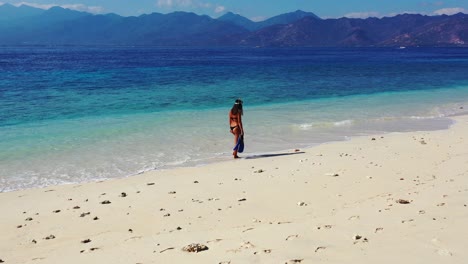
(74, 114)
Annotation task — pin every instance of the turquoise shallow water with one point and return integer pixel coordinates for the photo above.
(81, 114)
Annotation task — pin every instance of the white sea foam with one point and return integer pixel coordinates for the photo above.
(343, 123)
(306, 126)
(424, 117)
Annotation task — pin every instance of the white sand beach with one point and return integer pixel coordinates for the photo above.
(394, 198)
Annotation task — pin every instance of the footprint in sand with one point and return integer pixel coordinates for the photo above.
(91, 249)
(354, 217)
(444, 252)
(294, 261)
(318, 249)
(245, 245)
(291, 237)
(379, 230)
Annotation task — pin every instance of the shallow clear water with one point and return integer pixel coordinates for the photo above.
(75, 114)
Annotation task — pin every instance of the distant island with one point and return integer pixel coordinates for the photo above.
(25, 25)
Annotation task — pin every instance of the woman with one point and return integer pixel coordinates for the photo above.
(235, 122)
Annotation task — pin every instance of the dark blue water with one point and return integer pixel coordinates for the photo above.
(55, 83)
(73, 114)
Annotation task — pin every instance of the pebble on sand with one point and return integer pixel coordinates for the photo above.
(195, 247)
(403, 201)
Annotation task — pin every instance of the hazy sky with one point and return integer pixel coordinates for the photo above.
(259, 9)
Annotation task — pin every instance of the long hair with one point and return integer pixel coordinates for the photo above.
(237, 107)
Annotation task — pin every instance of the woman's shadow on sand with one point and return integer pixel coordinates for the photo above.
(259, 156)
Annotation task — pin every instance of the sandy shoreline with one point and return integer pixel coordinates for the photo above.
(400, 197)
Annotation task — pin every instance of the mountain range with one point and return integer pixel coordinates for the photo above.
(25, 25)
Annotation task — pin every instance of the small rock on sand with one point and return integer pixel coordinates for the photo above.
(195, 247)
(105, 202)
(84, 214)
(403, 201)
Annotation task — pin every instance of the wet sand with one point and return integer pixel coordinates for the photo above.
(399, 197)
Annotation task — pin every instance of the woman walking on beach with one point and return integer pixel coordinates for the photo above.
(235, 122)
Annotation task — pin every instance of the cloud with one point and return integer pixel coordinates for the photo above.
(77, 7)
(362, 14)
(175, 3)
(449, 11)
(220, 9)
(189, 4)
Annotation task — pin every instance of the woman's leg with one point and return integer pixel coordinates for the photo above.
(236, 139)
